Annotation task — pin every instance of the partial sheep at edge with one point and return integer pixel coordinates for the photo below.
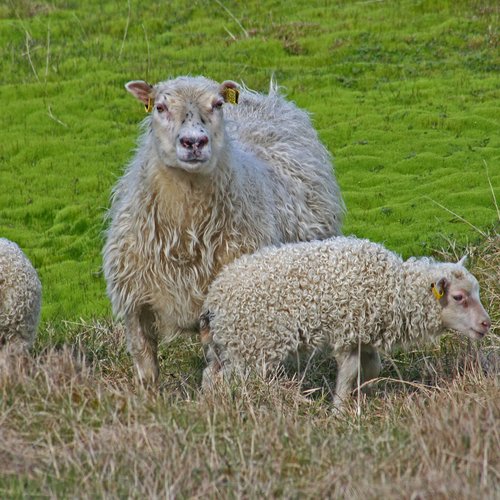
(20, 297)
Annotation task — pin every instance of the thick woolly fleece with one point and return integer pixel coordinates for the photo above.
(172, 231)
(334, 292)
(20, 296)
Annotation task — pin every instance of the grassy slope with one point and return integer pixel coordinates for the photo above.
(405, 95)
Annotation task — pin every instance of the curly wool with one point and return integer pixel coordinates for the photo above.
(335, 292)
(171, 232)
(20, 296)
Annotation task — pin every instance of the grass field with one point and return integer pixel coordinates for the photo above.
(405, 94)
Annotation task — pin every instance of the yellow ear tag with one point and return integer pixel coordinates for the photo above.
(231, 95)
(438, 294)
(149, 106)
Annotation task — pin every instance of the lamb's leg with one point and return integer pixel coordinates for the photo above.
(219, 368)
(348, 363)
(370, 363)
(142, 339)
(212, 374)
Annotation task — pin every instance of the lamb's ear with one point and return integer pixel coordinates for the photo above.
(229, 91)
(462, 261)
(443, 284)
(439, 288)
(140, 90)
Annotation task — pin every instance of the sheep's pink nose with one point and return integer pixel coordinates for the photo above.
(194, 142)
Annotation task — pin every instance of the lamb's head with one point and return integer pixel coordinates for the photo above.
(187, 120)
(457, 292)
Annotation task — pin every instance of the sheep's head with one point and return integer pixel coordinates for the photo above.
(187, 121)
(461, 308)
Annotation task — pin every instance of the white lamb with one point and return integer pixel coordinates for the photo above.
(20, 297)
(343, 292)
(210, 181)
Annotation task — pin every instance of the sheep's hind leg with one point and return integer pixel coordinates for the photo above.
(219, 368)
(212, 374)
(142, 339)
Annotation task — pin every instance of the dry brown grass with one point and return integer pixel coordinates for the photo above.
(67, 431)
(73, 424)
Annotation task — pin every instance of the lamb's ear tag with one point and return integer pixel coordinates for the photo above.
(437, 293)
(149, 106)
(231, 95)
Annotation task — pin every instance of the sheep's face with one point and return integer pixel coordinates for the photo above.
(187, 121)
(461, 306)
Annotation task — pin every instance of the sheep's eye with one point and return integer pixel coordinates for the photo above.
(458, 297)
(161, 108)
(217, 104)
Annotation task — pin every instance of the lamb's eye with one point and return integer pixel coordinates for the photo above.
(161, 107)
(458, 298)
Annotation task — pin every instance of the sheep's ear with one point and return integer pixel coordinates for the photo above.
(229, 91)
(439, 288)
(462, 261)
(140, 90)
(443, 284)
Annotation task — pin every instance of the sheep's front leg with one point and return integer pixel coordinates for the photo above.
(370, 363)
(348, 365)
(142, 339)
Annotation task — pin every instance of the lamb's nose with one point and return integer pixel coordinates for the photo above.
(486, 324)
(194, 142)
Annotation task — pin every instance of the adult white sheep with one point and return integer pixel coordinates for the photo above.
(207, 184)
(20, 297)
(342, 292)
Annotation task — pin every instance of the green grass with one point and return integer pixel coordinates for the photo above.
(405, 96)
